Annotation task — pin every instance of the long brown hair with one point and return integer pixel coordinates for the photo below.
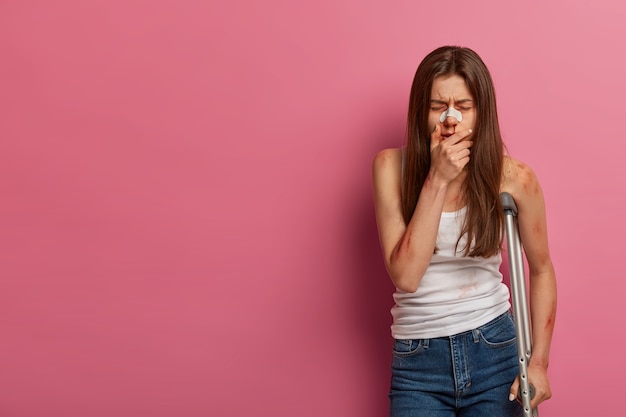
(484, 222)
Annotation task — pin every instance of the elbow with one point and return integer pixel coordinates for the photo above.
(404, 283)
(407, 287)
(405, 278)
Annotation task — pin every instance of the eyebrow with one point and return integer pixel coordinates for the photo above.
(462, 101)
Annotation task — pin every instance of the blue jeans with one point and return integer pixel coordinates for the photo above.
(465, 375)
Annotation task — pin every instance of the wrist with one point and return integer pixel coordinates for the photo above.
(538, 362)
(435, 182)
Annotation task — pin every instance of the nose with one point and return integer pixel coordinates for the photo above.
(451, 117)
(449, 125)
(450, 121)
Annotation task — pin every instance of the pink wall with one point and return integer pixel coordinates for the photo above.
(185, 199)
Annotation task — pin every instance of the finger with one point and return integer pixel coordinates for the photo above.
(435, 137)
(534, 402)
(465, 144)
(513, 390)
(458, 153)
(459, 136)
(540, 395)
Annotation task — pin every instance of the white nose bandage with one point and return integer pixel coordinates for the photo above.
(451, 111)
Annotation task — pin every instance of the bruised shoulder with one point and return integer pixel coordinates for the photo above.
(518, 178)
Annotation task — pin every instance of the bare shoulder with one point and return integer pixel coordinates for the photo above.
(387, 162)
(386, 173)
(388, 156)
(519, 180)
(516, 175)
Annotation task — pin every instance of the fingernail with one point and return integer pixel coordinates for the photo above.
(470, 130)
(511, 397)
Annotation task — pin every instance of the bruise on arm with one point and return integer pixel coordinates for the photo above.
(528, 195)
(532, 218)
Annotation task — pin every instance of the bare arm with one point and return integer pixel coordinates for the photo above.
(528, 196)
(408, 249)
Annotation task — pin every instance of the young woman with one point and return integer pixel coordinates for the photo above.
(441, 228)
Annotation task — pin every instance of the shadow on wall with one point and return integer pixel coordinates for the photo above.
(372, 289)
(372, 300)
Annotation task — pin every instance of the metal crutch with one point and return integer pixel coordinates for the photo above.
(518, 296)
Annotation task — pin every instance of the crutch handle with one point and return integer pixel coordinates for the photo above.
(508, 203)
(531, 391)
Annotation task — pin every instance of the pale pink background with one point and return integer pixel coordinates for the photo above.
(186, 210)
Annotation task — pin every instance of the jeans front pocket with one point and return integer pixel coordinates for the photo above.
(499, 332)
(403, 348)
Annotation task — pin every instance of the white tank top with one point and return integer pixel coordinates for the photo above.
(457, 293)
